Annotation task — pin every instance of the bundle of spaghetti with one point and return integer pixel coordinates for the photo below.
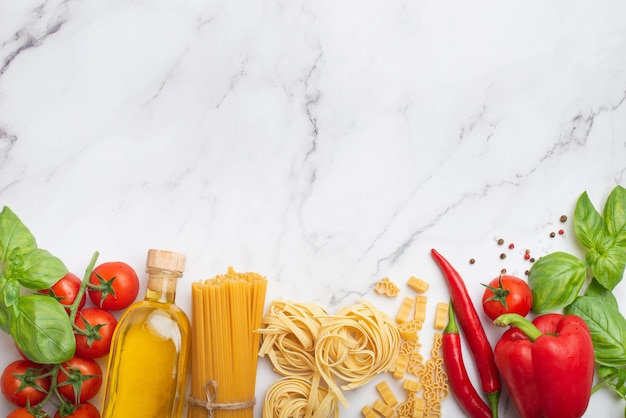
(354, 346)
(226, 310)
(299, 397)
(288, 336)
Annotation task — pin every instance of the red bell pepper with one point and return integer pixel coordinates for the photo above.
(547, 364)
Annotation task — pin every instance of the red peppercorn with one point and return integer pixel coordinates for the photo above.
(511, 246)
(527, 256)
(561, 232)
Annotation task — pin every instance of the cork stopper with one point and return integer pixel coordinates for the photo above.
(166, 260)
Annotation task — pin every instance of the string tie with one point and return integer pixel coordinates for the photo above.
(210, 389)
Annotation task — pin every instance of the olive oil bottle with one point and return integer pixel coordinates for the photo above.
(149, 362)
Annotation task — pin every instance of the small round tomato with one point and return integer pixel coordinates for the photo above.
(96, 332)
(23, 412)
(113, 285)
(507, 294)
(79, 379)
(83, 410)
(22, 383)
(65, 291)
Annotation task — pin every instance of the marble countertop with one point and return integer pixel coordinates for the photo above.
(324, 145)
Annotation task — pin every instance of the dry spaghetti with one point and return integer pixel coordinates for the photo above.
(225, 312)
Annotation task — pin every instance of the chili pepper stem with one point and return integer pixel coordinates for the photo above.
(493, 398)
(451, 327)
(518, 321)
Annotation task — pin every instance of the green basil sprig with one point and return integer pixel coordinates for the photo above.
(557, 282)
(39, 325)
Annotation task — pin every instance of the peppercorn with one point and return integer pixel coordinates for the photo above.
(503, 256)
(552, 234)
(561, 232)
(503, 271)
(563, 218)
(511, 246)
(500, 241)
(472, 260)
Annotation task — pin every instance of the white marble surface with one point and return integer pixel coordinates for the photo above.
(324, 145)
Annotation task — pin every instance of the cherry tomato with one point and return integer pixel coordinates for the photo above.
(99, 326)
(22, 383)
(113, 286)
(23, 412)
(65, 291)
(507, 294)
(79, 379)
(84, 410)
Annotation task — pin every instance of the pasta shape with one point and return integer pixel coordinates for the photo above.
(420, 307)
(441, 315)
(386, 394)
(386, 287)
(405, 310)
(419, 285)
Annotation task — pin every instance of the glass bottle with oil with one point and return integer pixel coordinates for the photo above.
(149, 362)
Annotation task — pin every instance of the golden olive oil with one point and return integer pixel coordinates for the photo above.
(149, 363)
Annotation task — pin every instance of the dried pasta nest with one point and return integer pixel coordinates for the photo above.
(346, 350)
(299, 397)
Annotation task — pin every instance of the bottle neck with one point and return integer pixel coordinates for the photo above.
(162, 285)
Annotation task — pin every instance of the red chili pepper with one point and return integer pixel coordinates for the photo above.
(458, 379)
(547, 364)
(473, 331)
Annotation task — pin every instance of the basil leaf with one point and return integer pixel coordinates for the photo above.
(614, 378)
(607, 326)
(555, 280)
(608, 266)
(7, 310)
(615, 215)
(10, 292)
(41, 270)
(588, 226)
(596, 290)
(42, 330)
(13, 234)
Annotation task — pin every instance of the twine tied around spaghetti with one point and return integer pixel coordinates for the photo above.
(210, 389)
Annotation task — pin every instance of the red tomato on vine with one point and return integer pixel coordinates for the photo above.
(84, 410)
(24, 382)
(96, 326)
(79, 379)
(65, 291)
(507, 294)
(113, 285)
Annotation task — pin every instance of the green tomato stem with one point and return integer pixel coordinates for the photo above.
(518, 321)
(54, 371)
(83, 287)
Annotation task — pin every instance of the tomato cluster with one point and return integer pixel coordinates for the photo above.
(111, 286)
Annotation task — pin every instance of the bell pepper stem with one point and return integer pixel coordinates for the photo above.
(518, 321)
